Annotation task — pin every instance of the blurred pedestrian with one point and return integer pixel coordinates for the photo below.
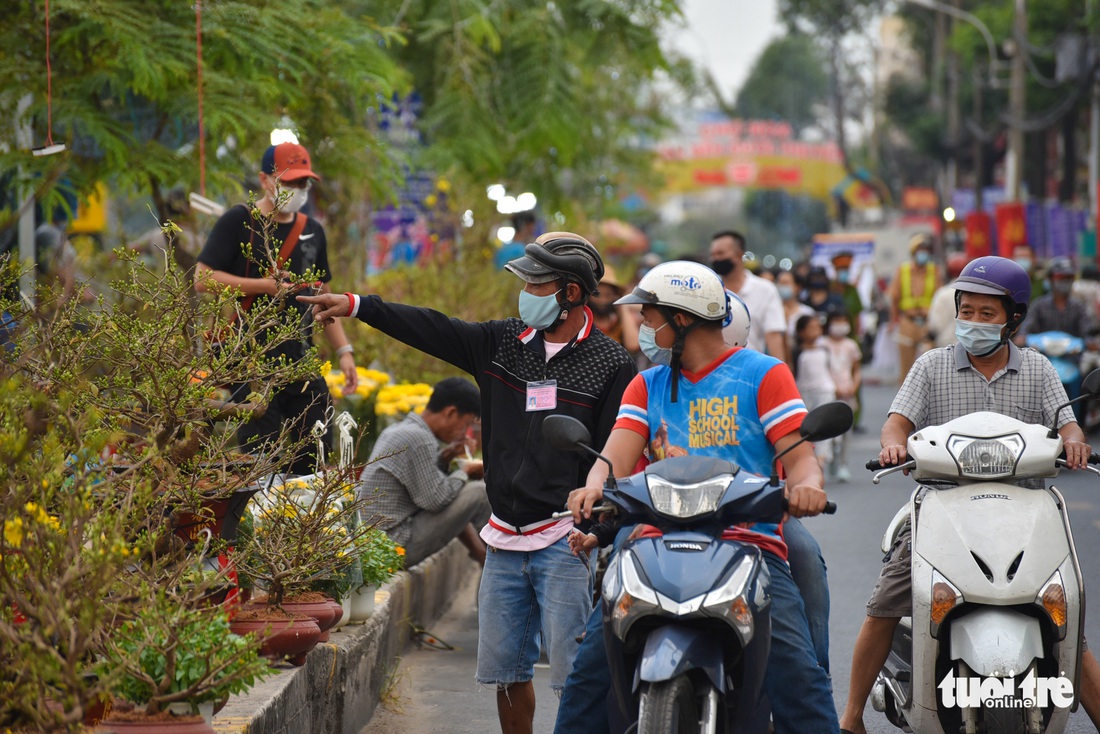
(844, 286)
(911, 294)
(789, 290)
(618, 322)
(941, 314)
(768, 326)
(238, 256)
(812, 373)
(844, 368)
(1058, 310)
(819, 293)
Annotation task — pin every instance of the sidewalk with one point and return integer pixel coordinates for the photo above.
(449, 676)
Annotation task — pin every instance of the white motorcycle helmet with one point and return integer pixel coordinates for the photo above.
(694, 289)
(698, 290)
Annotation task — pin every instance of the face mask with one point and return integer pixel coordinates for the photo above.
(647, 340)
(843, 276)
(785, 292)
(1023, 262)
(978, 339)
(296, 200)
(839, 329)
(539, 312)
(921, 258)
(1063, 286)
(722, 267)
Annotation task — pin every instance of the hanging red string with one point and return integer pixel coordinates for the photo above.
(49, 82)
(202, 135)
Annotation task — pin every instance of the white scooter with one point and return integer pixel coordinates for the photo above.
(998, 602)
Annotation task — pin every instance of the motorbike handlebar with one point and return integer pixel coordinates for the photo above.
(1094, 458)
(830, 507)
(875, 465)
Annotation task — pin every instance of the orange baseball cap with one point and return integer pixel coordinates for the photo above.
(287, 162)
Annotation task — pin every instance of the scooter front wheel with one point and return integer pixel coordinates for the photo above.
(669, 707)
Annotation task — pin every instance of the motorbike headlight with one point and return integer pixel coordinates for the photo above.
(685, 501)
(986, 458)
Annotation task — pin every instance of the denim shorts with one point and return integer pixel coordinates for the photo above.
(523, 594)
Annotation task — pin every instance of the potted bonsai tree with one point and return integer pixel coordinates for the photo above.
(170, 662)
(303, 531)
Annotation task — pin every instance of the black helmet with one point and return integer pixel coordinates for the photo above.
(556, 255)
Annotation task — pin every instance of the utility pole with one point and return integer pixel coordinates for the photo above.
(952, 172)
(1094, 126)
(24, 142)
(979, 145)
(1016, 102)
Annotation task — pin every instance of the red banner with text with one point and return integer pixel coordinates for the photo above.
(979, 235)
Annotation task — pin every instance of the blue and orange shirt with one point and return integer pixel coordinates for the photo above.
(735, 409)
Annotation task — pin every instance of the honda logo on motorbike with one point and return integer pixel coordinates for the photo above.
(973, 692)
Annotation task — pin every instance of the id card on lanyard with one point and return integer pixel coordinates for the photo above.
(542, 395)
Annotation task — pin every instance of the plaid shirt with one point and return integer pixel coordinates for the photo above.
(943, 385)
(399, 486)
(1043, 315)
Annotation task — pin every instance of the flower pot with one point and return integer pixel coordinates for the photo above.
(345, 602)
(321, 611)
(362, 602)
(221, 516)
(341, 617)
(283, 637)
(161, 724)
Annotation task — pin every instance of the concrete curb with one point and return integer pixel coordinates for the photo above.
(338, 689)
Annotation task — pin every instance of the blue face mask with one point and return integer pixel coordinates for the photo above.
(785, 292)
(539, 312)
(843, 276)
(647, 341)
(978, 339)
(922, 257)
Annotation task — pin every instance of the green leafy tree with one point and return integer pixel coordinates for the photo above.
(555, 96)
(787, 82)
(125, 89)
(831, 22)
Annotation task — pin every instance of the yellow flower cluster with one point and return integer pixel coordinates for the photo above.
(15, 528)
(369, 381)
(402, 398)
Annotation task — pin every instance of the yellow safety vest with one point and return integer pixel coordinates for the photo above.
(908, 300)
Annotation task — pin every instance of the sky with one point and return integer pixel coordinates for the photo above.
(726, 36)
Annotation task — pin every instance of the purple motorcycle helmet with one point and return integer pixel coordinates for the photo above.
(997, 276)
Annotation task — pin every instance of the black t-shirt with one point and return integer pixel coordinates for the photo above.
(226, 248)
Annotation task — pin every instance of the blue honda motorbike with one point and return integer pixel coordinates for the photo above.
(686, 621)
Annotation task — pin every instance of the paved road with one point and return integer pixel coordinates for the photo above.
(435, 691)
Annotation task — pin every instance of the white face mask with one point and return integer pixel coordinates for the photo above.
(295, 199)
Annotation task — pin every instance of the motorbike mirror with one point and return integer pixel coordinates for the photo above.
(1091, 383)
(829, 421)
(566, 433)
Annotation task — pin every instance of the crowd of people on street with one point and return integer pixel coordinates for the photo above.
(628, 357)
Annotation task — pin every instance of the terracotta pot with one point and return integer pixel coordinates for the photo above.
(339, 619)
(282, 638)
(221, 516)
(158, 725)
(321, 611)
